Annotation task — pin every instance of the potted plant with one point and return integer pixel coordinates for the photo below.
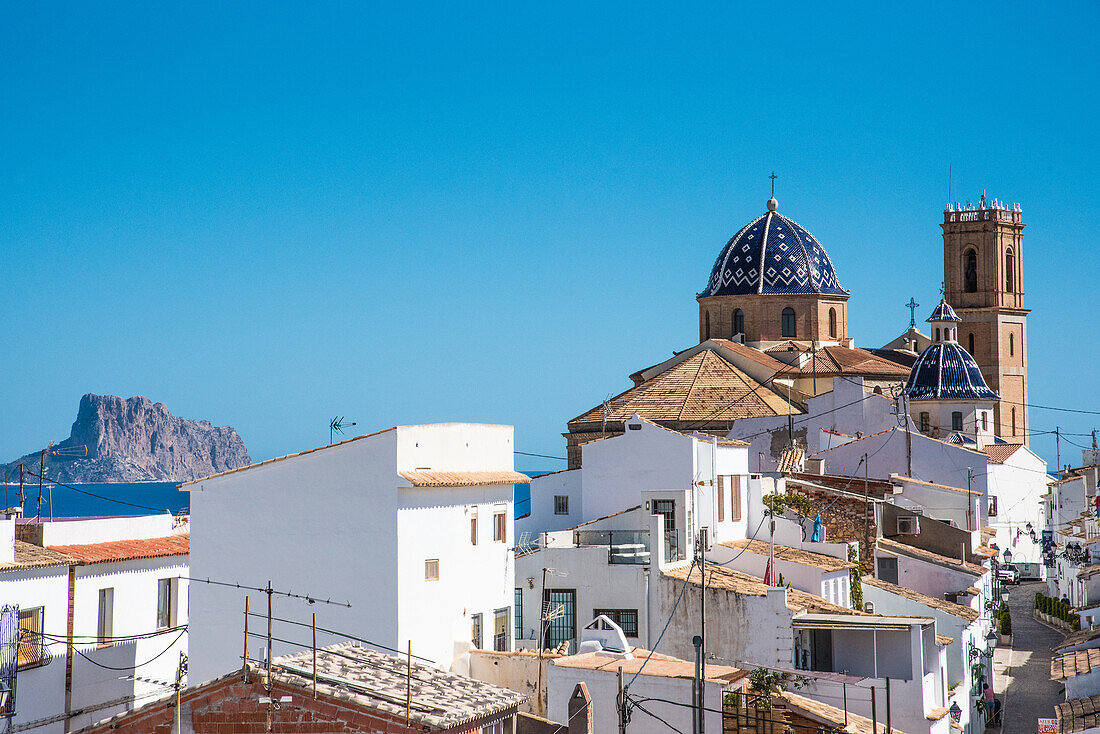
(1006, 626)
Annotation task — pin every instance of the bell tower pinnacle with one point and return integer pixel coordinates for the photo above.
(983, 280)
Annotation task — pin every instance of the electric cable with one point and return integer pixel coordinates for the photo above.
(345, 635)
(136, 665)
(683, 588)
(97, 496)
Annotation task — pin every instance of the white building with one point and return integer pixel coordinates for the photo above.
(617, 471)
(413, 526)
(120, 642)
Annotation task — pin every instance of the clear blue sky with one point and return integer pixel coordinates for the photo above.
(268, 214)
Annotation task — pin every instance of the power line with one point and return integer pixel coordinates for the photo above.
(541, 456)
(645, 711)
(136, 665)
(268, 590)
(665, 629)
(97, 496)
(345, 635)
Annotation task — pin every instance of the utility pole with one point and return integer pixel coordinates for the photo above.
(866, 509)
(621, 703)
(270, 712)
(703, 540)
(1058, 450)
(969, 500)
(41, 473)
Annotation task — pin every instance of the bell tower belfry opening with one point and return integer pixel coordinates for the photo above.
(983, 280)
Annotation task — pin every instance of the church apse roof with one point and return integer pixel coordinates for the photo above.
(704, 389)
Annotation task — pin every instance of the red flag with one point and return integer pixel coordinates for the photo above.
(768, 573)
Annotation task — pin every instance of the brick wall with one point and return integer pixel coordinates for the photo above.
(232, 707)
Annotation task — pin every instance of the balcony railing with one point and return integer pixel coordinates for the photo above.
(629, 547)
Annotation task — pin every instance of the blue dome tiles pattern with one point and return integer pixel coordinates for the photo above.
(946, 371)
(773, 255)
(943, 312)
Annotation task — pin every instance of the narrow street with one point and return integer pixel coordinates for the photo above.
(1021, 673)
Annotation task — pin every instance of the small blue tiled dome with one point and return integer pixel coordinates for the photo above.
(946, 371)
(943, 312)
(772, 255)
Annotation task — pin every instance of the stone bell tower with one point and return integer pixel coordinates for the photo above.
(983, 280)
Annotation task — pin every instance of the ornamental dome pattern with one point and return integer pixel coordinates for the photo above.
(946, 371)
(943, 312)
(772, 255)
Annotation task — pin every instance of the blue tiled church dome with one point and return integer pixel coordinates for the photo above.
(946, 371)
(772, 255)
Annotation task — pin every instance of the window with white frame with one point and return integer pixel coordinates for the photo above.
(167, 593)
(500, 630)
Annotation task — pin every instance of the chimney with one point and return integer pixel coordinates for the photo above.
(580, 711)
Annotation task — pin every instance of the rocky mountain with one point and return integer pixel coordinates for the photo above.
(136, 440)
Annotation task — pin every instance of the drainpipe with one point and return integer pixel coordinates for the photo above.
(645, 573)
(69, 652)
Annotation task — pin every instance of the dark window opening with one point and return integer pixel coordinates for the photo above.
(1010, 272)
(788, 322)
(561, 606)
(970, 271)
(970, 344)
(956, 421)
(625, 618)
(832, 322)
(738, 322)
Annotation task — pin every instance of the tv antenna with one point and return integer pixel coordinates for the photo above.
(337, 425)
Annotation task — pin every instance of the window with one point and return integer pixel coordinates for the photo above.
(518, 612)
(788, 322)
(500, 630)
(475, 631)
(956, 421)
(500, 528)
(707, 330)
(887, 569)
(431, 569)
(473, 530)
(561, 604)
(166, 603)
(992, 506)
(1014, 421)
(970, 343)
(106, 626)
(735, 498)
(561, 504)
(668, 509)
(738, 322)
(32, 645)
(937, 333)
(832, 322)
(985, 421)
(970, 271)
(924, 427)
(1011, 345)
(721, 499)
(625, 618)
(1010, 271)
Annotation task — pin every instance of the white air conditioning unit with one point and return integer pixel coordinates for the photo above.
(908, 526)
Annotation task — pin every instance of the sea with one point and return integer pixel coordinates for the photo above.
(137, 498)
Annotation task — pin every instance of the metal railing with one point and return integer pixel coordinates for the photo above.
(629, 547)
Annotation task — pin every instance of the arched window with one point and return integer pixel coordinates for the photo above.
(1011, 345)
(956, 421)
(788, 322)
(937, 333)
(970, 344)
(738, 322)
(832, 323)
(707, 329)
(1010, 271)
(924, 423)
(985, 421)
(970, 271)
(1013, 421)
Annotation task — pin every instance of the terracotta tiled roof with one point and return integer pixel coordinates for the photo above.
(127, 550)
(28, 555)
(703, 388)
(904, 479)
(426, 478)
(854, 362)
(1078, 637)
(823, 713)
(1078, 714)
(794, 555)
(944, 639)
(664, 666)
(999, 453)
(378, 682)
(1070, 664)
(727, 579)
(926, 555)
(968, 613)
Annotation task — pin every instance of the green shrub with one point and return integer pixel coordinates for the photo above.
(1006, 621)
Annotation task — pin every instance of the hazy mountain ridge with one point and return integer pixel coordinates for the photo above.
(137, 440)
